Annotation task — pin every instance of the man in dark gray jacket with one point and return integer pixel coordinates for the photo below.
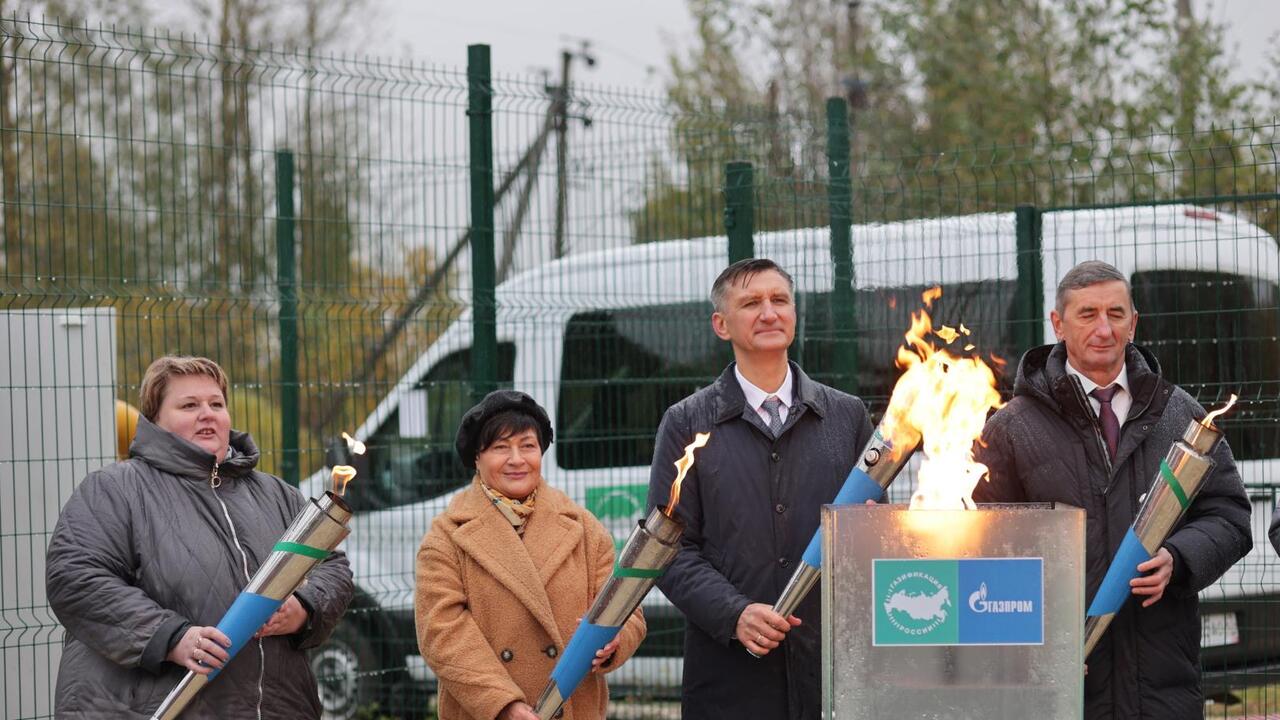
(780, 447)
(1089, 422)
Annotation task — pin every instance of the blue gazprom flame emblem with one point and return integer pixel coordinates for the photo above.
(978, 599)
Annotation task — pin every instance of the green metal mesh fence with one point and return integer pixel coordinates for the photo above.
(304, 220)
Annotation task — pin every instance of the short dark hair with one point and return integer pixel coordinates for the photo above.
(504, 425)
(744, 270)
(1090, 272)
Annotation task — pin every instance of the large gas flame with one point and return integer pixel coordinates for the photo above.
(341, 475)
(682, 469)
(1208, 419)
(943, 399)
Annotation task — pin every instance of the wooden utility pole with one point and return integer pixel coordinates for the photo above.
(562, 151)
(1187, 73)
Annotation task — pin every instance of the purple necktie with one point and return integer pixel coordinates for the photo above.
(1107, 417)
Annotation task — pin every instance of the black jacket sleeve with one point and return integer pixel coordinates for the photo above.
(691, 583)
(995, 450)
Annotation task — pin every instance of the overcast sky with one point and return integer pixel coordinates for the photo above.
(631, 39)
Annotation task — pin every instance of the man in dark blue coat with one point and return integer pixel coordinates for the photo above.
(781, 445)
(1089, 423)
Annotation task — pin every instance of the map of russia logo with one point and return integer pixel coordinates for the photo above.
(988, 601)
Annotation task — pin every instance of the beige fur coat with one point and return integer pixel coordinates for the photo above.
(494, 611)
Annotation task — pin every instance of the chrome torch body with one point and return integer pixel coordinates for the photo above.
(312, 535)
(646, 555)
(878, 465)
(1176, 483)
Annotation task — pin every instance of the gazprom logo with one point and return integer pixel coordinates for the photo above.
(958, 601)
(979, 603)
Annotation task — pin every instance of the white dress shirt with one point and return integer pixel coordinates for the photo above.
(756, 397)
(1120, 402)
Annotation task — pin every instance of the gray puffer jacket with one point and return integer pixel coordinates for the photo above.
(143, 549)
(1046, 446)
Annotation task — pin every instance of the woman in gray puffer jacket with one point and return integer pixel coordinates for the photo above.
(150, 552)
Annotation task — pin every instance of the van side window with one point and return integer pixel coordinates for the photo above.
(1215, 334)
(410, 469)
(622, 369)
(882, 317)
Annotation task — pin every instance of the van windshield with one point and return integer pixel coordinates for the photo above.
(1215, 334)
(413, 459)
(622, 369)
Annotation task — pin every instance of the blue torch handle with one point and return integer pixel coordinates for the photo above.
(1115, 585)
(575, 662)
(857, 489)
(248, 613)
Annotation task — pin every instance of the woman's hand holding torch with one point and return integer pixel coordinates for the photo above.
(201, 650)
(288, 619)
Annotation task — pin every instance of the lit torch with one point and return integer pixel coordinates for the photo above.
(937, 391)
(312, 535)
(642, 560)
(1177, 481)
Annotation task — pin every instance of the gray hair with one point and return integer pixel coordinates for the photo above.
(744, 270)
(1090, 272)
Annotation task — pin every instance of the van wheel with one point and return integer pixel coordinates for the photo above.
(344, 668)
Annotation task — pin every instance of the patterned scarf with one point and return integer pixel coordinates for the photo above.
(516, 512)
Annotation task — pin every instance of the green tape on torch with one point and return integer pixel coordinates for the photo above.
(626, 572)
(1172, 481)
(300, 549)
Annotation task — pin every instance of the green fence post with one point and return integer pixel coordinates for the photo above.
(287, 286)
(840, 202)
(739, 210)
(1029, 316)
(484, 341)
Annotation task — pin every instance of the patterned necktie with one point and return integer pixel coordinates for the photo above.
(771, 405)
(1107, 417)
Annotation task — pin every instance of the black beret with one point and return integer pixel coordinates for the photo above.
(492, 404)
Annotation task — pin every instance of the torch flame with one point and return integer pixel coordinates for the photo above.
(682, 468)
(1208, 419)
(942, 399)
(353, 444)
(342, 474)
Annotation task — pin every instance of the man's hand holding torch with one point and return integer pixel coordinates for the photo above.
(760, 629)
